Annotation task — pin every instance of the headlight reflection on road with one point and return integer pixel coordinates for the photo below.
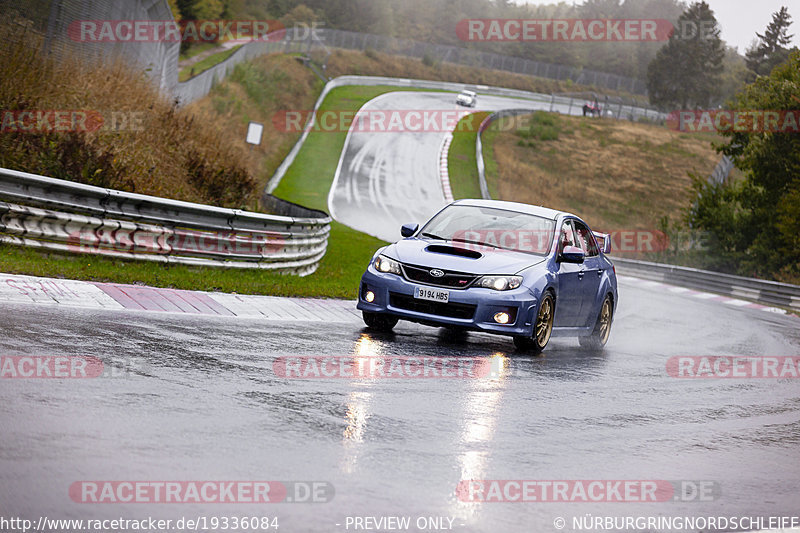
(480, 410)
(358, 402)
(357, 415)
(366, 347)
(500, 367)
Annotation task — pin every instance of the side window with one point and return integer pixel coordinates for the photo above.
(586, 239)
(567, 236)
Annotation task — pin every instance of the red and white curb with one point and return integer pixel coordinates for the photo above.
(16, 289)
(444, 172)
(727, 300)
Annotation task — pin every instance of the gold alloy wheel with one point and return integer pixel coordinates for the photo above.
(605, 321)
(544, 322)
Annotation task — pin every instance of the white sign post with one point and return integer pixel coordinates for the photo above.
(254, 131)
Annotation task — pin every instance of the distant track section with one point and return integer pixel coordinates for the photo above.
(388, 178)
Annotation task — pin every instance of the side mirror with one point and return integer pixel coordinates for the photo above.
(572, 254)
(407, 230)
(604, 241)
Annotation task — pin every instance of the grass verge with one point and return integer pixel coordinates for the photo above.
(205, 64)
(461, 162)
(196, 50)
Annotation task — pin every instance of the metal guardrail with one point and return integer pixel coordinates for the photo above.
(479, 145)
(761, 291)
(722, 170)
(58, 215)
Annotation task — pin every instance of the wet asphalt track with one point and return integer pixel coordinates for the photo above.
(386, 179)
(204, 403)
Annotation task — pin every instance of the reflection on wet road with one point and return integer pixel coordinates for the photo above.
(197, 399)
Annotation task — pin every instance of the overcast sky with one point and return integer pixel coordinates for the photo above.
(739, 19)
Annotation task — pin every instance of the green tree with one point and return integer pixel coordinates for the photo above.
(772, 47)
(734, 76)
(208, 9)
(686, 71)
(176, 11)
(201, 9)
(755, 224)
(301, 14)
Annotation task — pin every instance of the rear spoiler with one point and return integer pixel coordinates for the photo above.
(603, 241)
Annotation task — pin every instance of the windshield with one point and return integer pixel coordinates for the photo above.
(489, 228)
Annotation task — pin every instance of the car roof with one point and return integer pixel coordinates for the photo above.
(537, 210)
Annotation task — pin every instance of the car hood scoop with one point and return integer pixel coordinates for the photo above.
(453, 250)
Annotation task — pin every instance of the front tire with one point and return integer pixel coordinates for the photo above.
(541, 329)
(379, 321)
(602, 328)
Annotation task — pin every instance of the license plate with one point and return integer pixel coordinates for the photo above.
(435, 295)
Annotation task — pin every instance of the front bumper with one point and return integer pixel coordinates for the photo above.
(472, 308)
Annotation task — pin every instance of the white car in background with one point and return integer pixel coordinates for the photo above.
(467, 98)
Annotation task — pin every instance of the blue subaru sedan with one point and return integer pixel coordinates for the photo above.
(499, 267)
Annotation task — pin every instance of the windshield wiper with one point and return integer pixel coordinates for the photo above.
(479, 243)
(432, 236)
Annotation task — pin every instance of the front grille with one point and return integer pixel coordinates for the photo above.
(451, 280)
(451, 310)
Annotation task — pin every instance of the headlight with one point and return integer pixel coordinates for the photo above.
(386, 265)
(500, 283)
